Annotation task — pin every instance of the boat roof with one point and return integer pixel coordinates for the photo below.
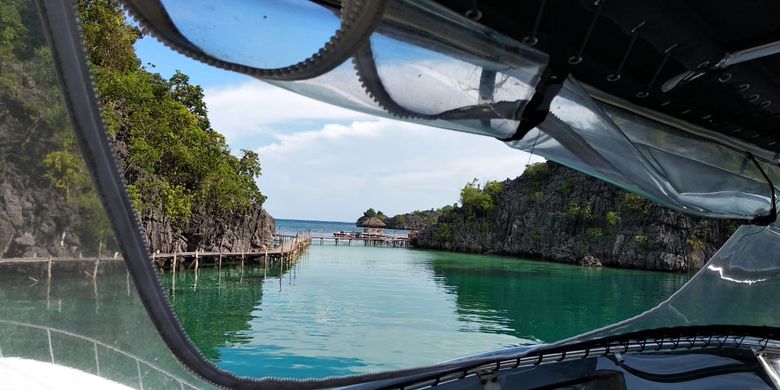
(630, 49)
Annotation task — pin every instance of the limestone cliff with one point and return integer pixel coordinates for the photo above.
(415, 220)
(555, 213)
(251, 230)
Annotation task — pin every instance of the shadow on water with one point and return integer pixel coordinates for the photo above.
(546, 301)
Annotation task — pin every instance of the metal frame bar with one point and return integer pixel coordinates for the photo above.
(61, 28)
(749, 54)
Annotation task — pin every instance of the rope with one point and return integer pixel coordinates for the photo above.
(574, 60)
(634, 34)
(532, 39)
(657, 73)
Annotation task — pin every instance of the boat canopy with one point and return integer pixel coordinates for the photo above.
(671, 101)
(697, 136)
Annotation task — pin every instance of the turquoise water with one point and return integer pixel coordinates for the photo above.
(346, 310)
(95, 325)
(292, 226)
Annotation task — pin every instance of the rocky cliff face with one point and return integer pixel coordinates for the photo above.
(35, 219)
(26, 231)
(48, 206)
(416, 220)
(252, 230)
(555, 213)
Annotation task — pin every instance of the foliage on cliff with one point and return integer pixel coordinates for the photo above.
(37, 140)
(480, 200)
(555, 213)
(173, 161)
(416, 220)
(371, 213)
(178, 169)
(475, 199)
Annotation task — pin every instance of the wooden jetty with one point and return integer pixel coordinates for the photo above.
(286, 249)
(392, 242)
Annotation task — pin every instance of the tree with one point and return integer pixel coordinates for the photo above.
(174, 162)
(480, 199)
(370, 213)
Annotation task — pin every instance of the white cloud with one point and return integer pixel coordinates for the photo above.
(338, 171)
(250, 108)
(324, 162)
(289, 143)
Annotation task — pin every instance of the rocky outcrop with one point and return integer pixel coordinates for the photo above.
(555, 213)
(47, 203)
(252, 230)
(416, 220)
(34, 222)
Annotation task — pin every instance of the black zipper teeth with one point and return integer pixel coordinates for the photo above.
(358, 378)
(134, 217)
(123, 185)
(352, 12)
(232, 67)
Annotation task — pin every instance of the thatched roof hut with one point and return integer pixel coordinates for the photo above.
(372, 222)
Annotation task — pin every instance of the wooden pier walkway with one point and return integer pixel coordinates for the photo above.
(392, 242)
(286, 249)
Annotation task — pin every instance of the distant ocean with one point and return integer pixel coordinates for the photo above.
(327, 228)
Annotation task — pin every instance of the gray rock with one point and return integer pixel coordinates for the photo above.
(549, 227)
(590, 261)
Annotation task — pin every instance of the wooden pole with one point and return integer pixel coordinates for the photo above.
(196, 261)
(49, 268)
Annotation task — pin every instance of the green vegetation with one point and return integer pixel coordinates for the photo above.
(696, 235)
(174, 162)
(371, 213)
(566, 187)
(536, 175)
(574, 210)
(39, 134)
(636, 204)
(480, 199)
(537, 171)
(593, 234)
(695, 243)
(613, 220)
(443, 232)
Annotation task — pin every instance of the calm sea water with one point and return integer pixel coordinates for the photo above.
(292, 226)
(346, 310)
(95, 325)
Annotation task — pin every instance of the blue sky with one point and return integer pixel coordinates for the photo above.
(323, 162)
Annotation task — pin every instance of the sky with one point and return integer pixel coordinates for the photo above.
(322, 162)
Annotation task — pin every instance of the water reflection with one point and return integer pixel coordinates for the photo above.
(351, 310)
(546, 301)
(216, 304)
